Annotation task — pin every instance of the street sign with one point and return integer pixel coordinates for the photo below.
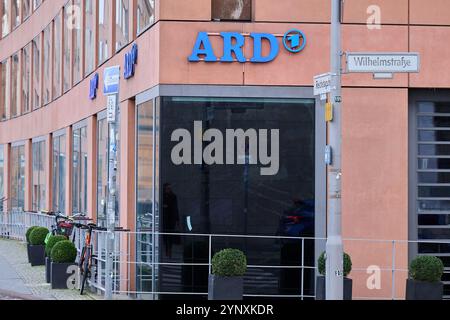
(322, 84)
(111, 80)
(111, 108)
(382, 62)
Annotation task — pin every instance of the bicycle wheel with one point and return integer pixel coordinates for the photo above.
(85, 271)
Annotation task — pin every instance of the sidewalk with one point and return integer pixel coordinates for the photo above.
(20, 281)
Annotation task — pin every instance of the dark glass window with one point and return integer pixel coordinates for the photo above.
(232, 10)
(210, 188)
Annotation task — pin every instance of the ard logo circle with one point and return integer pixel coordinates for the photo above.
(294, 41)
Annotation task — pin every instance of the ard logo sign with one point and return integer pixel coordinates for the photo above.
(293, 41)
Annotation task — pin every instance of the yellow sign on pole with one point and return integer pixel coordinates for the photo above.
(328, 112)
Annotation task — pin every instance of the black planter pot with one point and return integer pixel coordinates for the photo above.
(225, 288)
(36, 255)
(320, 288)
(59, 274)
(28, 252)
(420, 290)
(48, 268)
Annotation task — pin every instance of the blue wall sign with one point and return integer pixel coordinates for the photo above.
(93, 86)
(233, 42)
(111, 80)
(131, 59)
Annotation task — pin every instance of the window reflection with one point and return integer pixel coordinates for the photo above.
(59, 173)
(47, 65)
(4, 9)
(2, 181)
(89, 32)
(15, 81)
(79, 171)
(102, 170)
(57, 57)
(4, 88)
(122, 23)
(26, 79)
(36, 72)
(17, 177)
(103, 30)
(38, 177)
(67, 50)
(145, 14)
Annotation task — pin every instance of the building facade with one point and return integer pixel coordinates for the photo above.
(202, 77)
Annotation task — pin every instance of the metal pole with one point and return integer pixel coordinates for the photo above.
(334, 246)
(112, 198)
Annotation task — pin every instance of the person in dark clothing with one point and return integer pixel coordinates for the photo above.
(171, 217)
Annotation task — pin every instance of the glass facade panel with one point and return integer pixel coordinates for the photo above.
(79, 171)
(67, 63)
(39, 176)
(36, 4)
(26, 8)
(47, 65)
(57, 57)
(59, 173)
(122, 23)
(145, 14)
(4, 89)
(15, 81)
(231, 10)
(77, 47)
(89, 37)
(26, 78)
(17, 169)
(102, 170)
(231, 166)
(4, 9)
(36, 72)
(15, 15)
(104, 13)
(144, 195)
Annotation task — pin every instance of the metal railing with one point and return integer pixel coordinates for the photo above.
(278, 266)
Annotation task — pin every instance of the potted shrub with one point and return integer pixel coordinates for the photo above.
(52, 240)
(321, 286)
(63, 257)
(27, 237)
(37, 246)
(425, 274)
(226, 281)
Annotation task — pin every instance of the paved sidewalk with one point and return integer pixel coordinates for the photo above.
(20, 281)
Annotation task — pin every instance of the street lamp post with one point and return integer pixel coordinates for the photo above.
(334, 246)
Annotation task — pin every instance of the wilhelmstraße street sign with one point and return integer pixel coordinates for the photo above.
(322, 84)
(383, 62)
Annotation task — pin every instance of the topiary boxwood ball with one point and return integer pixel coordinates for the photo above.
(347, 264)
(51, 242)
(64, 252)
(229, 263)
(37, 236)
(27, 234)
(426, 268)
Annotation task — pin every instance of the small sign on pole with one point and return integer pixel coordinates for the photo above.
(111, 108)
(322, 85)
(383, 62)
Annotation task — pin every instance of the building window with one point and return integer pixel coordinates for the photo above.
(15, 81)
(240, 10)
(77, 47)
(26, 78)
(47, 84)
(4, 89)
(16, 13)
(36, 4)
(79, 171)
(89, 37)
(17, 170)
(57, 57)
(67, 50)
(37, 72)
(104, 13)
(38, 178)
(2, 181)
(102, 170)
(4, 9)
(26, 8)
(145, 14)
(144, 194)
(59, 173)
(430, 133)
(122, 23)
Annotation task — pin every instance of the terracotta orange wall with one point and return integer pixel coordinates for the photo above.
(375, 181)
(429, 12)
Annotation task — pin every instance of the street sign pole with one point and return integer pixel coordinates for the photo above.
(111, 90)
(334, 246)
